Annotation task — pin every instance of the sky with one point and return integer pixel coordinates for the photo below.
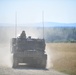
(30, 11)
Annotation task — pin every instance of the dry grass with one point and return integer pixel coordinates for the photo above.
(64, 57)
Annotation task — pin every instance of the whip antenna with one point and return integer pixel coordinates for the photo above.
(15, 24)
(43, 22)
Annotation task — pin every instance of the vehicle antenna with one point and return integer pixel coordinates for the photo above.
(43, 22)
(15, 24)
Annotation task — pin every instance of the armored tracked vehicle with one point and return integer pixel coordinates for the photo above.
(28, 50)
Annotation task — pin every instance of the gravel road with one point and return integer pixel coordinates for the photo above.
(27, 71)
(5, 64)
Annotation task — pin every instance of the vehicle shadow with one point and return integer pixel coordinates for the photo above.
(28, 67)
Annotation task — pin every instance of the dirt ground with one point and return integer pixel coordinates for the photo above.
(63, 57)
(6, 69)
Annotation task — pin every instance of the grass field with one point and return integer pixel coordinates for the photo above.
(63, 57)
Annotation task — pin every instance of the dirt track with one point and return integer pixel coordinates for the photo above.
(27, 71)
(5, 66)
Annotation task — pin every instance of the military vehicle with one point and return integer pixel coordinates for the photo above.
(28, 50)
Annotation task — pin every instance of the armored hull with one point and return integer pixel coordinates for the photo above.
(30, 51)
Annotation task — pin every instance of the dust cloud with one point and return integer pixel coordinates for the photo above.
(6, 33)
(5, 55)
(49, 58)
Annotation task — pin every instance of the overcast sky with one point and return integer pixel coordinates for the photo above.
(30, 11)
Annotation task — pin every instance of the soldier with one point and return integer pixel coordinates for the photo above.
(23, 34)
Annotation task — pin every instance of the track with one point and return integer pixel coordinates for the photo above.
(27, 71)
(5, 66)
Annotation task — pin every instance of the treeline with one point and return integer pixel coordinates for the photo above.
(51, 34)
(65, 34)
